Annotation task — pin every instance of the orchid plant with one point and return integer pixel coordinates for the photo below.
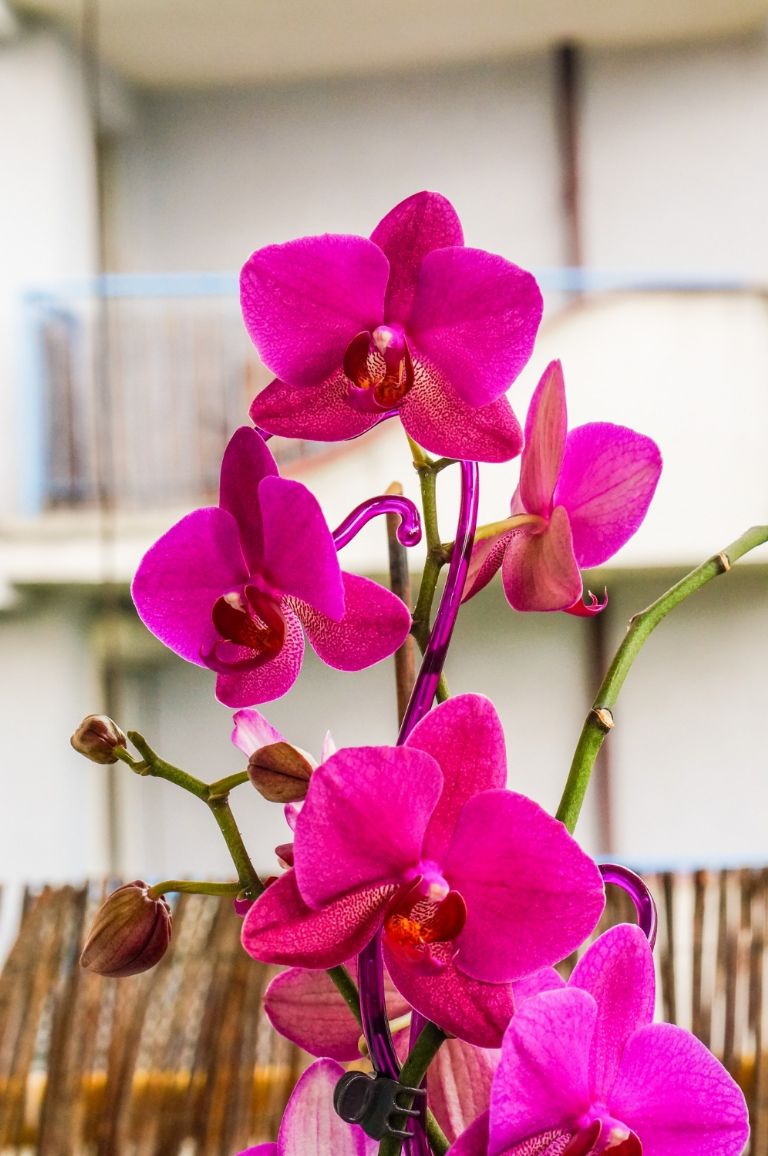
(419, 904)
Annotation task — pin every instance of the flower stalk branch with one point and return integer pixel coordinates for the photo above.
(215, 795)
(193, 887)
(600, 718)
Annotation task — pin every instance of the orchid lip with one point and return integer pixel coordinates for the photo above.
(250, 619)
(379, 368)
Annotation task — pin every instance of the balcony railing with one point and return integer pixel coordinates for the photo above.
(134, 383)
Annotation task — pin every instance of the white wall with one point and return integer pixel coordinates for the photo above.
(208, 177)
(47, 212)
(675, 159)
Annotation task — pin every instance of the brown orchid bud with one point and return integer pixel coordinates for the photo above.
(130, 933)
(280, 772)
(96, 738)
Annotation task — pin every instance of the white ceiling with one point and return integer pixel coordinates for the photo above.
(203, 43)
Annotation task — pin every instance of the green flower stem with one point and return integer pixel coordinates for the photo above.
(224, 786)
(600, 718)
(152, 764)
(194, 887)
(414, 1070)
(214, 795)
(246, 873)
(346, 986)
(436, 559)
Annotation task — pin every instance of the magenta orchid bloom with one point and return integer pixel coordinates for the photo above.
(473, 886)
(310, 1126)
(409, 321)
(581, 496)
(230, 587)
(584, 1071)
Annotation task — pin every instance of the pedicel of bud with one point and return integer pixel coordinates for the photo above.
(130, 933)
(280, 772)
(96, 738)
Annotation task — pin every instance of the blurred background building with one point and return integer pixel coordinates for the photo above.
(146, 148)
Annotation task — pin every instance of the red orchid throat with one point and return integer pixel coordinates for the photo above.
(604, 1135)
(422, 924)
(250, 620)
(379, 367)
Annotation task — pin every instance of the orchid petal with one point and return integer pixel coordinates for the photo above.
(271, 680)
(363, 820)
(545, 431)
(412, 229)
(476, 316)
(280, 928)
(545, 979)
(375, 623)
(532, 894)
(473, 1142)
(299, 552)
(328, 748)
(304, 301)
(307, 1008)
(465, 738)
(320, 413)
(310, 1125)
(677, 1097)
(617, 971)
(459, 1084)
(180, 578)
(474, 1011)
(487, 557)
(540, 571)
(252, 732)
(440, 419)
(608, 477)
(245, 464)
(542, 1082)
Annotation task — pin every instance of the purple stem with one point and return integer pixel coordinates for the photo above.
(370, 964)
(445, 619)
(638, 892)
(408, 532)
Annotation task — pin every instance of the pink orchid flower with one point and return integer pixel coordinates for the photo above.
(409, 321)
(474, 886)
(310, 1126)
(584, 1071)
(581, 496)
(233, 587)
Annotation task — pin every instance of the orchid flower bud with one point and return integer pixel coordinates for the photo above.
(130, 933)
(96, 738)
(280, 772)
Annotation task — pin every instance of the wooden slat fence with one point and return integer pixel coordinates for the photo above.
(181, 1061)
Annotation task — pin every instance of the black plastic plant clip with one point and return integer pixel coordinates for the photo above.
(372, 1102)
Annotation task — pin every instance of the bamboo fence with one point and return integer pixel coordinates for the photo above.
(181, 1061)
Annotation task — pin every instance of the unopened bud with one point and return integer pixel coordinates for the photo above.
(280, 772)
(96, 738)
(130, 933)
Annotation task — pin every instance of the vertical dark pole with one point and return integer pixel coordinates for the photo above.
(108, 599)
(568, 78)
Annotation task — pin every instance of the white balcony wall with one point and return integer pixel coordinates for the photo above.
(47, 214)
(675, 159)
(205, 178)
